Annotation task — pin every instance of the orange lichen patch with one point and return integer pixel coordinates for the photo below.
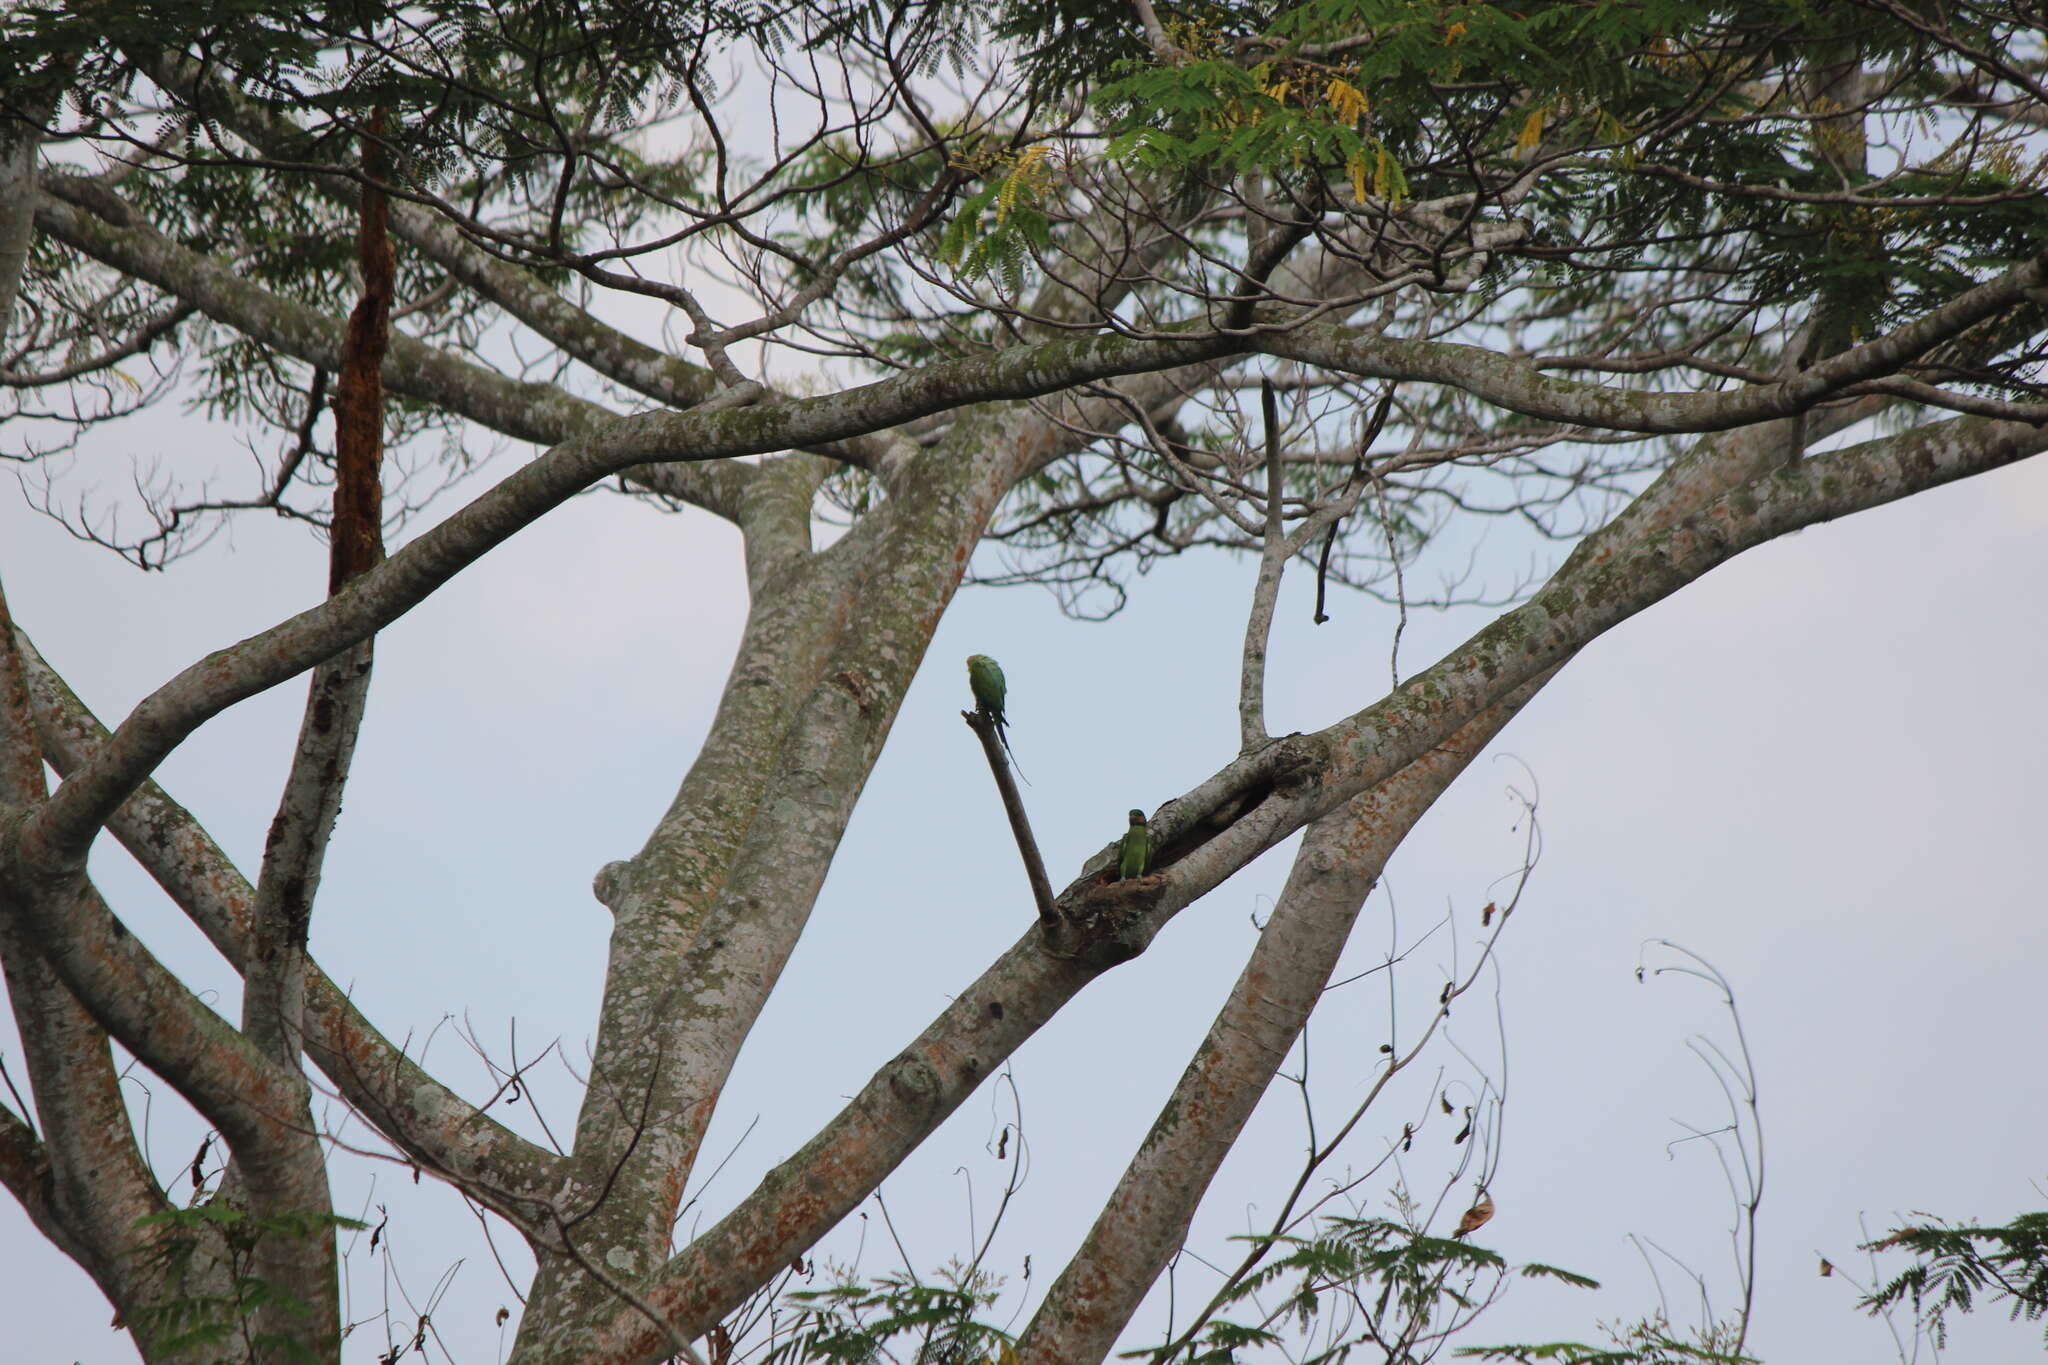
(673, 1181)
(176, 1038)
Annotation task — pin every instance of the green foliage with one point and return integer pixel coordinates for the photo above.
(1065, 44)
(1400, 1286)
(256, 36)
(1649, 1343)
(203, 1255)
(460, 64)
(1217, 115)
(994, 234)
(1659, 113)
(855, 1323)
(1959, 1263)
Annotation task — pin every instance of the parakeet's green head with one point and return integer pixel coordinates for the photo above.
(1137, 817)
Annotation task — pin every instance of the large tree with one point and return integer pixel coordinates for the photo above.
(1077, 287)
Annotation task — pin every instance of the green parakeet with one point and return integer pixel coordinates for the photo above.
(991, 690)
(1135, 853)
(985, 676)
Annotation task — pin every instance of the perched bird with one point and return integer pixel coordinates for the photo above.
(985, 677)
(1475, 1217)
(1134, 854)
(991, 691)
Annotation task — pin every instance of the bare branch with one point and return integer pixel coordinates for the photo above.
(1013, 806)
(1274, 552)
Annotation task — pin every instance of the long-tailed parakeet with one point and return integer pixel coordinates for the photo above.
(1134, 854)
(985, 676)
(991, 691)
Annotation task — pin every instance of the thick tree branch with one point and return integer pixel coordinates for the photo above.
(1513, 384)
(1610, 578)
(1340, 860)
(87, 217)
(781, 424)
(52, 913)
(804, 1197)
(634, 1143)
(1146, 1217)
(380, 596)
(543, 413)
(26, 1172)
(85, 1182)
(431, 1124)
(687, 985)
(135, 999)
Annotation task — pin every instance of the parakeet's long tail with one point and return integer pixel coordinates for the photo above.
(1003, 734)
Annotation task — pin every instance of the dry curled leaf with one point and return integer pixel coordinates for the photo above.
(1475, 1217)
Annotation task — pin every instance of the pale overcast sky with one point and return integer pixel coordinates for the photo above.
(1821, 768)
